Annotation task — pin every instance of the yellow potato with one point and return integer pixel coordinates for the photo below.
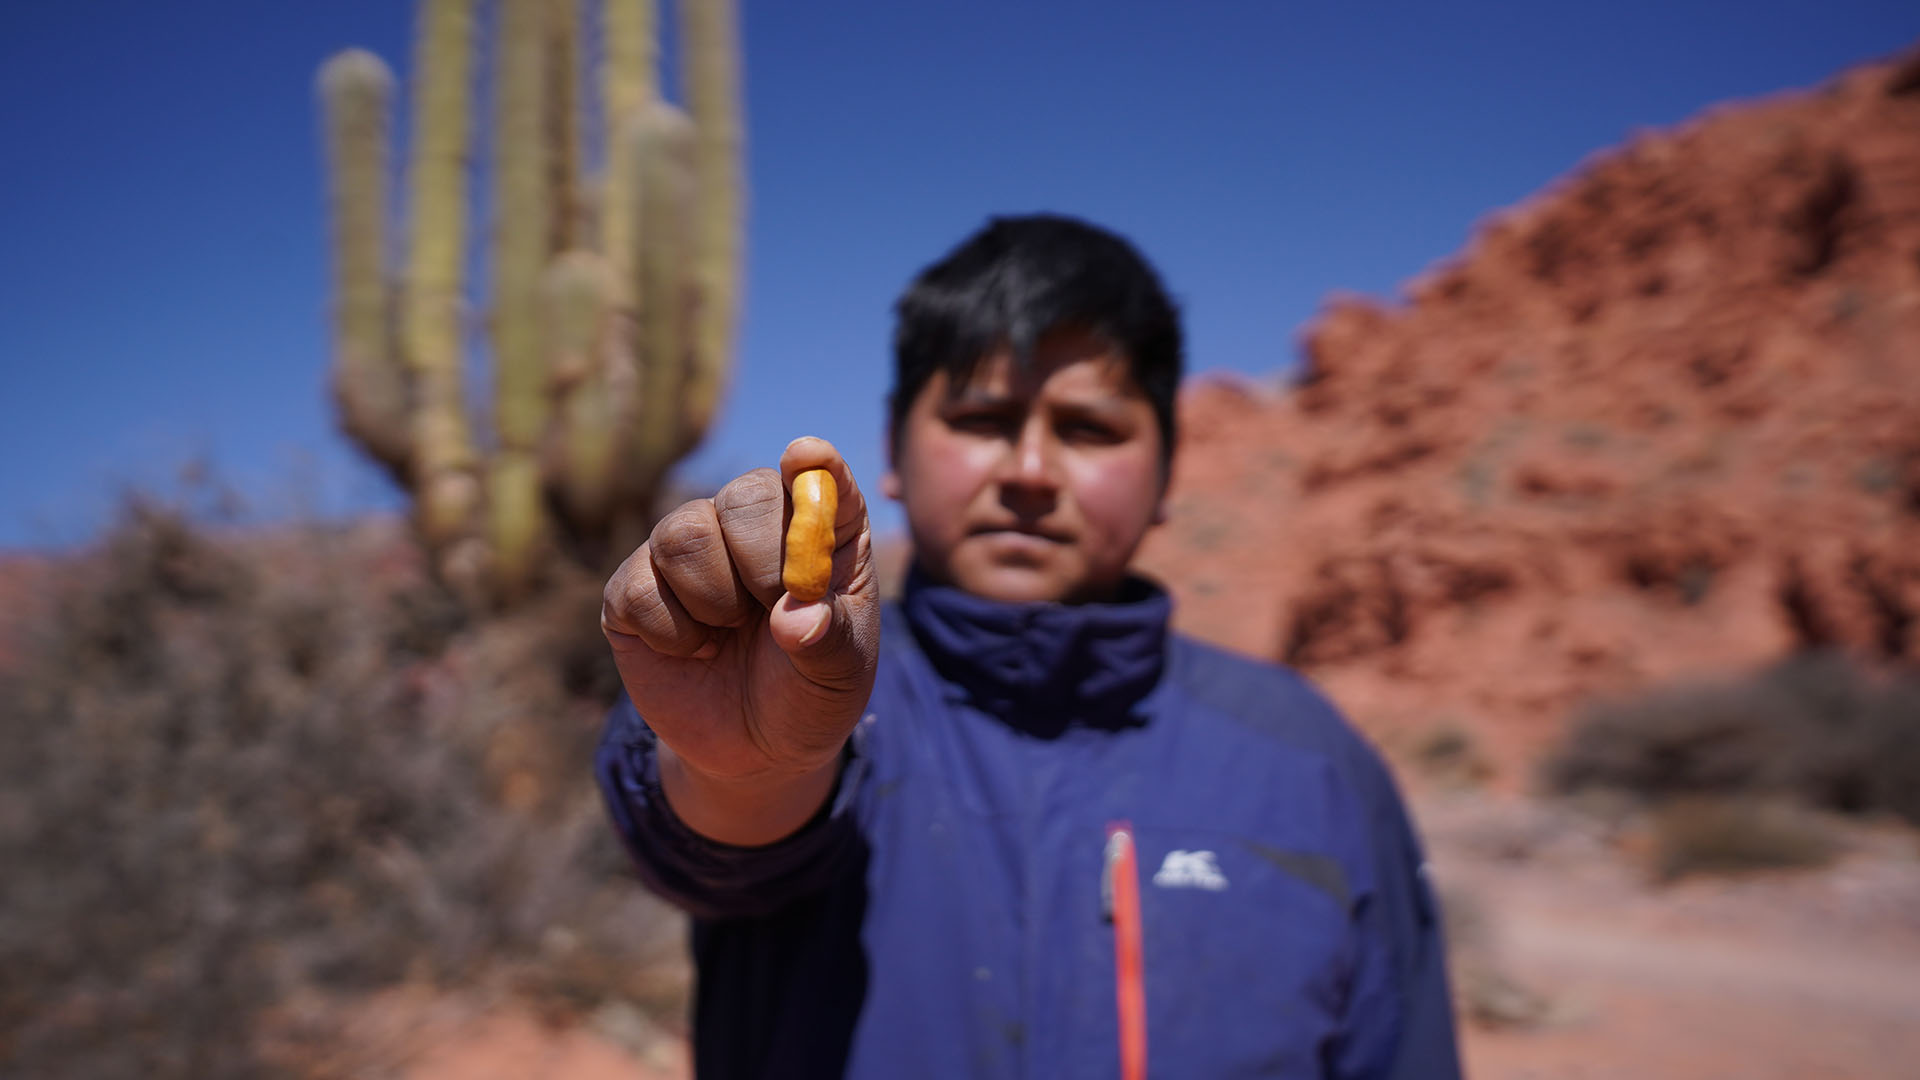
(809, 566)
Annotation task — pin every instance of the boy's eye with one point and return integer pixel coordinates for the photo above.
(1088, 431)
(979, 423)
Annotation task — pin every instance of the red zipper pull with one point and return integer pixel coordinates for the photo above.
(1120, 896)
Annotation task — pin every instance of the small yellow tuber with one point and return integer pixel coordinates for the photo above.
(809, 566)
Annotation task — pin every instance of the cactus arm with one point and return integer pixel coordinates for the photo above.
(713, 98)
(370, 390)
(592, 385)
(628, 88)
(522, 214)
(565, 154)
(523, 218)
(443, 455)
(660, 146)
(516, 523)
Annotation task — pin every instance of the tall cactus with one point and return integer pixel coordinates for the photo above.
(612, 299)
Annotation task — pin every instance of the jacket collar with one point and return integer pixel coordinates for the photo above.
(1044, 667)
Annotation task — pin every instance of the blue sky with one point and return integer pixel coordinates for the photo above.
(162, 244)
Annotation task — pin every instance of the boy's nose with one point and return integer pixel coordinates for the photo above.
(1031, 460)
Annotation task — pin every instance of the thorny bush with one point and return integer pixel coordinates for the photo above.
(1818, 729)
(245, 774)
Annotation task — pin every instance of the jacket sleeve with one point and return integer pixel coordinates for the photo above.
(706, 878)
(1399, 1013)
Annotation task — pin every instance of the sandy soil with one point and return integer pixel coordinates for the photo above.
(1807, 974)
(408, 1035)
(512, 1045)
(1646, 1004)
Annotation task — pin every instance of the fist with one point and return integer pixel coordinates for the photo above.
(737, 677)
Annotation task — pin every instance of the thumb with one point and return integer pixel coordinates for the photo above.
(833, 642)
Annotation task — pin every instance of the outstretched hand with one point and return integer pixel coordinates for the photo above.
(751, 690)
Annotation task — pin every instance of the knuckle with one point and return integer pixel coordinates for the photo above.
(687, 532)
(638, 602)
(617, 594)
(750, 511)
(754, 492)
(631, 599)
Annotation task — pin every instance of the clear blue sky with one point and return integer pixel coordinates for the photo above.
(162, 246)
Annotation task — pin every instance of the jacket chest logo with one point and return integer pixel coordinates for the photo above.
(1190, 870)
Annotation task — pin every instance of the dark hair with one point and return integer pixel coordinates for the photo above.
(1020, 277)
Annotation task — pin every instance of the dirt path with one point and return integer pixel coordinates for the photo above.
(1790, 976)
(512, 1045)
(1630, 1002)
(1865, 983)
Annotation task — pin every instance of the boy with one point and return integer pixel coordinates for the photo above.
(1013, 826)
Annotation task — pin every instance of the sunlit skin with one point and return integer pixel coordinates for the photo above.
(1036, 484)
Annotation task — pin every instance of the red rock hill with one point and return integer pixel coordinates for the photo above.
(1661, 420)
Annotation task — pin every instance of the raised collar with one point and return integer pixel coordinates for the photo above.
(1044, 667)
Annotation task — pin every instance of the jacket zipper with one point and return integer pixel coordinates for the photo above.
(1120, 897)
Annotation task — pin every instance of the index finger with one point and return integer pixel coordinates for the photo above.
(811, 452)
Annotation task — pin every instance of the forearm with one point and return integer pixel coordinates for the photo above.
(744, 813)
(708, 877)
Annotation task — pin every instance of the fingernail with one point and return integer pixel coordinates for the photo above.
(819, 629)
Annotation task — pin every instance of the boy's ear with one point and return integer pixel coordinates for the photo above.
(889, 480)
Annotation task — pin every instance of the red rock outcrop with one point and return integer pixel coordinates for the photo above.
(1661, 420)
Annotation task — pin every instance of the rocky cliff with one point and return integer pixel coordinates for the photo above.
(1661, 420)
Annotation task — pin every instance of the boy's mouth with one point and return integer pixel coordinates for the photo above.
(1022, 533)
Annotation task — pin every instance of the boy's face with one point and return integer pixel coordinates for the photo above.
(1035, 485)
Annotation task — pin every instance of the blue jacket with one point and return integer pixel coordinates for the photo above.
(943, 916)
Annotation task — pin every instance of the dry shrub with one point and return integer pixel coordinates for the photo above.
(1451, 755)
(1706, 835)
(246, 774)
(1818, 728)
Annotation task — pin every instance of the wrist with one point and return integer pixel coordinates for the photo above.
(746, 811)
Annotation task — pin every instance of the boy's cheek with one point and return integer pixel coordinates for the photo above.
(936, 505)
(942, 480)
(1121, 498)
